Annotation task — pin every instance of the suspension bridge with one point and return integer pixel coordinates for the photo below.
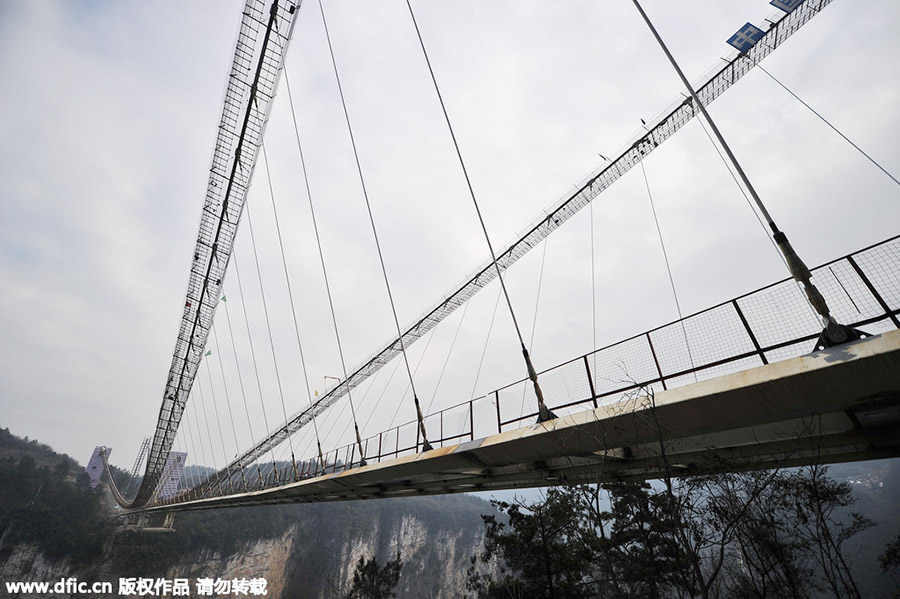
(806, 369)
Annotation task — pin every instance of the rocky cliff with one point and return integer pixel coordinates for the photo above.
(307, 551)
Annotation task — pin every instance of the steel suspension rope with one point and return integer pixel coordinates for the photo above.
(537, 304)
(315, 222)
(209, 437)
(218, 353)
(593, 288)
(237, 275)
(383, 391)
(537, 299)
(353, 421)
(237, 367)
(287, 280)
(741, 189)
(215, 404)
(662, 245)
(487, 338)
(193, 446)
(544, 413)
(425, 444)
(447, 359)
(834, 332)
(199, 430)
(827, 122)
(265, 304)
(415, 371)
(180, 447)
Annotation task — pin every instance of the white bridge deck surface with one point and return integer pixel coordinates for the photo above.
(841, 404)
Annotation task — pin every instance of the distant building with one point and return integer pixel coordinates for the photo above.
(172, 472)
(95, 465)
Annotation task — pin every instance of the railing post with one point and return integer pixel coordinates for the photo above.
(590, 382)
(656, 361)
(878, 298)
(471, 420)
(379, 446)
(497, 404)
(740, 314)
(397, 444)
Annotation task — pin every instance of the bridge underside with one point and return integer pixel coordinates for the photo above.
(842, 404)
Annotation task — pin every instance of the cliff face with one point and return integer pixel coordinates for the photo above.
(266, 558)
(435, 538)
(312, 555)
(54, 526)
(26, 562)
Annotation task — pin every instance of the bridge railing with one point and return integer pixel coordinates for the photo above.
(767, 325)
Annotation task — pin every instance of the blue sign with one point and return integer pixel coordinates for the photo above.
(746, 37)
(786, 5)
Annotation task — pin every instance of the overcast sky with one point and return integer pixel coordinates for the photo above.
(109, 112)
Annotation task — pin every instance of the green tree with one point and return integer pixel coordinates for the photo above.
(568, 547)
(370, 581)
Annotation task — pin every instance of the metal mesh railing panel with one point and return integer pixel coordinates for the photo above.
(564, 385)
(619, 366)
(879, 265)
(779, 314)
(484, 414)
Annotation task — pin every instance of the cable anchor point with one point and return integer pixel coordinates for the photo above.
(544, 413)
(426, 446)
(834, 333)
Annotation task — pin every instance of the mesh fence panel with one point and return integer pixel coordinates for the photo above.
(879, 265)
(484, 413)
(618, 366)
(564, 385)
(779, 314)
(517, 401)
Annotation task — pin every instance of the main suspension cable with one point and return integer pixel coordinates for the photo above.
(425, 444)
(544, 413)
